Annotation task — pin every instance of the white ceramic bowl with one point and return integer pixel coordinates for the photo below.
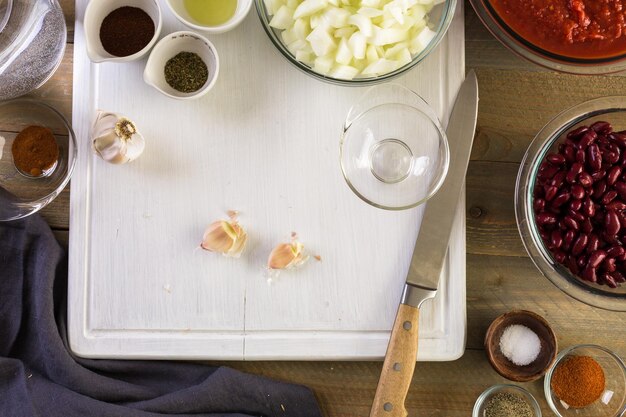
(178, 9)
(168, 47)
(95, 13)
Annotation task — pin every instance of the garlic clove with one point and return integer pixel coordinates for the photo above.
(227, 238)
(116, 138)
(287, 255)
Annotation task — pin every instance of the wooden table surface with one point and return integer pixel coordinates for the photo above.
(516, 100)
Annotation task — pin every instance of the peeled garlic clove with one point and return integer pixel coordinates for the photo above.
(287, 255)
(116, 138)
(227, 238)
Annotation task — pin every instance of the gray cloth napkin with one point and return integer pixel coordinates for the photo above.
(40, 377)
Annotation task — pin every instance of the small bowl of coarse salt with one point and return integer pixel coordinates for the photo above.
(521, 346)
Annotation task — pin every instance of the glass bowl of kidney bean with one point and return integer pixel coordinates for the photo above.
(570, 202)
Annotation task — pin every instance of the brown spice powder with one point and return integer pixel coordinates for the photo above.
(578, 381)
(35, 150)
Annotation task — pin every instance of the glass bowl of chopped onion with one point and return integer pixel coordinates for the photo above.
(506, 400)
(586, 381)
(354, 46)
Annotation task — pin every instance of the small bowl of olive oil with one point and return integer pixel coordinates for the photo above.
(211, 16)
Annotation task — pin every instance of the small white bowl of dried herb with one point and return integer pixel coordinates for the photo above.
(182, 65)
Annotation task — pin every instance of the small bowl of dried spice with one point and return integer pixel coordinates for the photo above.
(121, 30)
(37, 156)
(506, 401)
(521, 345)
(587, 381)
(182, 65)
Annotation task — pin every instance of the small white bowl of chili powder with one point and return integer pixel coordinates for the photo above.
(183, 65)
(586, 381)
(121, 30)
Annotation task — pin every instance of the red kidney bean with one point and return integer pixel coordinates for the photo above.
(586, 225)
(570, 262)
(563, 198)
(587, 139)
(579, 244)
(558, 179)
(581, 262)
(594, 157)
(610, 281)
(585, 179)
(569, 153)
(599, 189)
(547, 172)
(608, 197)
(588, 208)
(576, 216)
(613, 175)
(598, 175)
(572, 174)
(577, 133)
(615, 251)
(616, 205)
(544, 218)
(570, 223)
(539, 204)
(590, 274)
(580, 156)
(621, 258)
(620, 187)
(551, 191)
(602, 127)
(578, 192)
(575, 205)
(568, 239)
(556, 239)
(555, 158)
(596, 258)
(611, 157)
(611, 223)
(622, 219)
(609, 265)
(619, 138)
(594, 243)
(545, 236)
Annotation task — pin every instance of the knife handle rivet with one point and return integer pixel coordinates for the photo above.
(388, 407)
(407, 325)
(397, 367)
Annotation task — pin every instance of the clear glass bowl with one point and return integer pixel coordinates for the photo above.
(527, 50)
(32, 42)
(21, 195)
(615, 379)
(393, 151)
(610, 109)
(483, 399)
(440, 17)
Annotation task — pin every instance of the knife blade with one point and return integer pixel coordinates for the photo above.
(428, 258)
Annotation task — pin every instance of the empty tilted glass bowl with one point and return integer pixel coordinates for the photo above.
(394, 153)
(439, 17)
(22, 194)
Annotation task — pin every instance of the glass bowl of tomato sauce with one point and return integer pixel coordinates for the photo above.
(572, 36)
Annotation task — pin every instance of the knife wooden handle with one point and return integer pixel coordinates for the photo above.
(395, 378)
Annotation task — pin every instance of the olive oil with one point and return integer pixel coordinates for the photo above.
(211, 12)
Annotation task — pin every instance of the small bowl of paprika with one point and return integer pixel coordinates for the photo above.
(121, 30)
(586, 381)
(37, 156)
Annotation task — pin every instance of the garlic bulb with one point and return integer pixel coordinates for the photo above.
(116, 139)
(287, 255)
(225, 237)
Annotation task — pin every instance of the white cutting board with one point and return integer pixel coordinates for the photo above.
(264, 141)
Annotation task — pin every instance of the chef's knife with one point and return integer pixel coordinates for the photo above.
(428, 258)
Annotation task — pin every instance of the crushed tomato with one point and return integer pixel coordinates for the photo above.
(573, 28)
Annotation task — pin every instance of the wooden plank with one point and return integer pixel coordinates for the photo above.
(346, 389)
(69, 9)
(63, 237)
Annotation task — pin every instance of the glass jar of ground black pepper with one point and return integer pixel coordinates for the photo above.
(506, 401)
(32, 43)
